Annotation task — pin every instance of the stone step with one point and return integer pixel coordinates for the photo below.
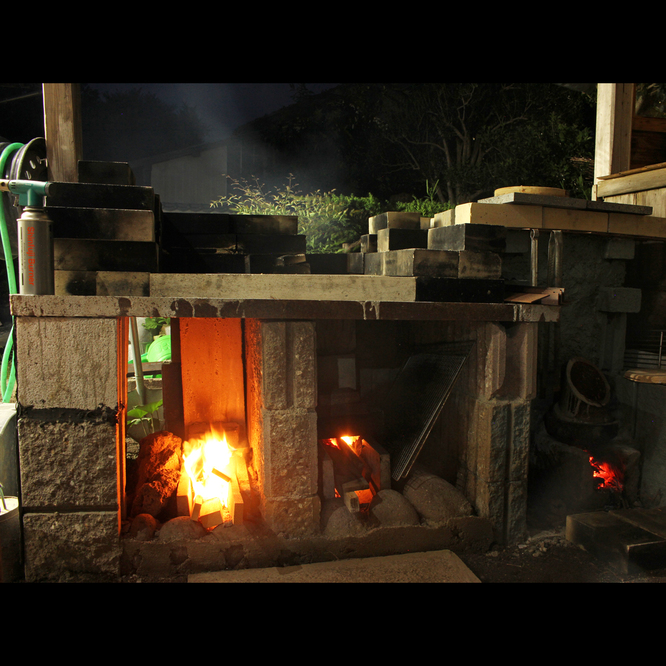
(631, 540)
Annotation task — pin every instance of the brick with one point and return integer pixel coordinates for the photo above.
(421, 262)
(75, 283)
(400, 238)
(103, 223)
(122, 283)
(575, 220)
(472, 237)
(76, 254)
(85, 195)
(394, 220)
(527, 217)
(444, 219)
(355, 263)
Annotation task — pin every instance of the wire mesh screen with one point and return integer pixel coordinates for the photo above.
(416, 399)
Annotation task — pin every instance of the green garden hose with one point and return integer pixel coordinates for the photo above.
(7, 383)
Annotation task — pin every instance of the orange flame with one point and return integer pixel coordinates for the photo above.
(206, 460)
(609, 476)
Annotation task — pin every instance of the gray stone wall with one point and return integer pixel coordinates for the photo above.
(70, 435)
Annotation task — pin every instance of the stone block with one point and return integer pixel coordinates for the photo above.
(75, 283)
(289, 460)
(72, 547)
(374, 263)
(620, 248)
(68, 464)
(271, 243)
(470, 237)
(116, 283)
(77, 254)
(521, 361)
(289, 365)
(619, 299)
(369, 243)
(284, 287)
(85, 195)
(293, 517)
(421, 262)
(327, 263)
(394, 220)
(392, 238)
(67, 362)
(103, 224)
(355, 263)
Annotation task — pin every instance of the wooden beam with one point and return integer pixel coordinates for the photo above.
(62, 130)
(615, 112)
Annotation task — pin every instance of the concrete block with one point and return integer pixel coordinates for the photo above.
(67, 362)
(84, 454)
(72, 547)
(392, 238)
(619, 299)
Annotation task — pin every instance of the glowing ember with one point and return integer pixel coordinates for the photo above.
(206, 460)
(609, 476)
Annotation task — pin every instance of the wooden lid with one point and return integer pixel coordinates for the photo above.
(544, 191)
(646, 376)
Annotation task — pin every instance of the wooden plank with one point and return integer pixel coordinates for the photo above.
(62, 130)
(648, 179)
(235, 503)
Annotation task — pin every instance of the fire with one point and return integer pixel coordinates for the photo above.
(206, 460)
(609, 476)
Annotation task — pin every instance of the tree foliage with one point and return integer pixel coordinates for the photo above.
(473, 138)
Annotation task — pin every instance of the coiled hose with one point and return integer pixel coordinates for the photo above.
(7, 381)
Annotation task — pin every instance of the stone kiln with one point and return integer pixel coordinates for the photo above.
(263, 362)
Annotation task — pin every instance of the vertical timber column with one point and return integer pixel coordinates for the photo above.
(62, 130)
(71, 390)
(281, 366)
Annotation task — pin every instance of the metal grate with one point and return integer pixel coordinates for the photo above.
(416, 399)
(646, 351)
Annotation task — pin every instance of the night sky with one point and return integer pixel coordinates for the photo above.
(223, 107)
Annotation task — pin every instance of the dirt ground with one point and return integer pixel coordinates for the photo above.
(547, 557)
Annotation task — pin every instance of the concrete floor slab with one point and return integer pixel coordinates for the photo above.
(442, 566)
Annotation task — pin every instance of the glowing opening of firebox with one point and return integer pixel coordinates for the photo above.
(206, 461)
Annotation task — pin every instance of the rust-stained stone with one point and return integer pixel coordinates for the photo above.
(158, 473)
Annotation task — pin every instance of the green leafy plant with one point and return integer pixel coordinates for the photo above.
(155, 324)
(144, 415)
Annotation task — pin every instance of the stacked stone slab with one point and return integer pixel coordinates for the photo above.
(455, 263)
(224, 243)
(105, 232)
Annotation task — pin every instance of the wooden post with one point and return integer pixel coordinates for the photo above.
(62, 130)
(615, 112)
